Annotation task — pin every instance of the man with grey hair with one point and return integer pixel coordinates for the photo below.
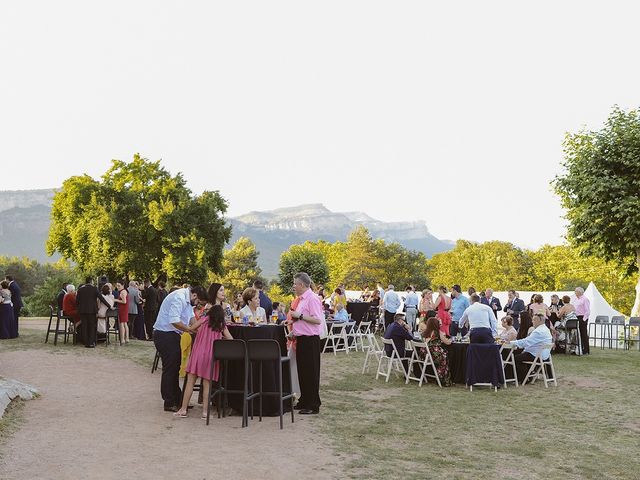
(583, 310)
(307, 324)
(391, 304)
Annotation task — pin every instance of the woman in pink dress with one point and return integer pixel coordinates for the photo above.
(442, 304)
(210, 327)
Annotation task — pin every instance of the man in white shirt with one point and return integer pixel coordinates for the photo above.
(532, 345)
(411, 307)
(391, 304)
(173, 319)
(481, 321)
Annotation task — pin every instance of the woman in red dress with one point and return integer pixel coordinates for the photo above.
(122, 299)
(442, 304)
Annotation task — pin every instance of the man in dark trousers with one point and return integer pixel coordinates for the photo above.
(16, 299)
(60, 297)
(150, 297)
(493, 302)
(86, 299)
(514, 307)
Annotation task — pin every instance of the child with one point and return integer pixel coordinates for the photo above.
(211, 327)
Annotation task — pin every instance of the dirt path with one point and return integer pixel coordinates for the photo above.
(102, 418)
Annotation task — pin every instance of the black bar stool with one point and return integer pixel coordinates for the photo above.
(225, 351)
(112, 314)
(156, 361)
(56, 331)
(261, 351)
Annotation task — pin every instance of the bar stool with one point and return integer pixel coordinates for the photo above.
(572, 325)
(634, 322)
(261, 351)
(56, 331)
(605, 326)
(225, 351)
(115, 329)
(156, 361)
(617, 321)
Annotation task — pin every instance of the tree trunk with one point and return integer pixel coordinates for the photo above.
(635, 312)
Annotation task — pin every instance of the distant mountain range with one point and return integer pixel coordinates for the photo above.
(25, 219)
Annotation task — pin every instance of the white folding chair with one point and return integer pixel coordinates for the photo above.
(423, 365)
(393, 361)
(336, 335)
(538, 367)
(351, 334)
(510, 360)
(372, 348)
(363, 328)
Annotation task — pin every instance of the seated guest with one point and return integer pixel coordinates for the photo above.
(253, 310)
(69, 306)
(509, 334)
(526, 325)
(434, 338)
(531, 345)
(340, 314)
(398, 331)
(481, 321)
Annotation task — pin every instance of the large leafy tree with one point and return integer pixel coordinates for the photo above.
(302, 258)
(600, 190)
(240, 267)
(139, 220)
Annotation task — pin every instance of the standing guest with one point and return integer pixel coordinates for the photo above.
(307, 325)
(280, 309)
(481, 320)
(391, 304)
(459, 304)
(87, 299)
(411, 306)
(210, 327)
(493, 302)
(583, 310)
(398, 332)
(252, 308)
(338, 297)
(532, 301)
(162, 293)
(122, 299)
(105, 290)
(514, 307)
(134, 300)
(526, 325)
(7, 319)
(531, 345)
(174, 317)
(434, 338)
(554, 309)
(380, 290)
(216, 294)
(16, 300)
(150, 299)
(60, 297)
(471, 291)
(265, 301)
(366, 294)
(426, 302)
(538, 307)
(443, 304)
(374, 298)
(509, 334)
(70, 306)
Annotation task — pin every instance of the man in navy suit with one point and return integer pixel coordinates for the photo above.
(493, 302)
(513, 308)
(16, 299)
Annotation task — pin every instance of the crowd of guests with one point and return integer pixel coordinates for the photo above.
(527, 327)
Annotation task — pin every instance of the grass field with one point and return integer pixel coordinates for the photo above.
(587, 427)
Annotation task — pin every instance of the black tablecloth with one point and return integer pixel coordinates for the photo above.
(457, 356)
(484, 364)
(357, 310)
(236, 370)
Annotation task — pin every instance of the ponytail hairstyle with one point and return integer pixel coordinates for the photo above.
(216, 318)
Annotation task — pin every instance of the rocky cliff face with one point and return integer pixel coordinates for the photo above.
(25, 220)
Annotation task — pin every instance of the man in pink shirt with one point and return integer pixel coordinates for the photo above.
(581, 303)
(307, 324)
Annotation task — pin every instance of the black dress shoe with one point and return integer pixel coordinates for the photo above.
(306, 411)
(173, 408)
(298, 407)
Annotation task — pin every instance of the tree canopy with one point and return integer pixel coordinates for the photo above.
(239, 267)
(139, 220)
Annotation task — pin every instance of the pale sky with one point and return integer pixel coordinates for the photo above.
(447, 112)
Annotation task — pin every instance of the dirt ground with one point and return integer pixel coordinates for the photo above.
(102, 418)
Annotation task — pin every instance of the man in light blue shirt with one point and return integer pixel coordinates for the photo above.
(459, 304)
(411, 307)
(340, 314)
(176, 312)
(391, 304)
(532, 344)
(481, 321)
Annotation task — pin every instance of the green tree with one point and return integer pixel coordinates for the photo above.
(141, 221)
(399, 266)
(302, 258)
(240, 267)
(599, 190)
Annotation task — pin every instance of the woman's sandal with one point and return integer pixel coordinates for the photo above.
(180, 415)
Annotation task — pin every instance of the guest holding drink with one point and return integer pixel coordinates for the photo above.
(252, 309)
